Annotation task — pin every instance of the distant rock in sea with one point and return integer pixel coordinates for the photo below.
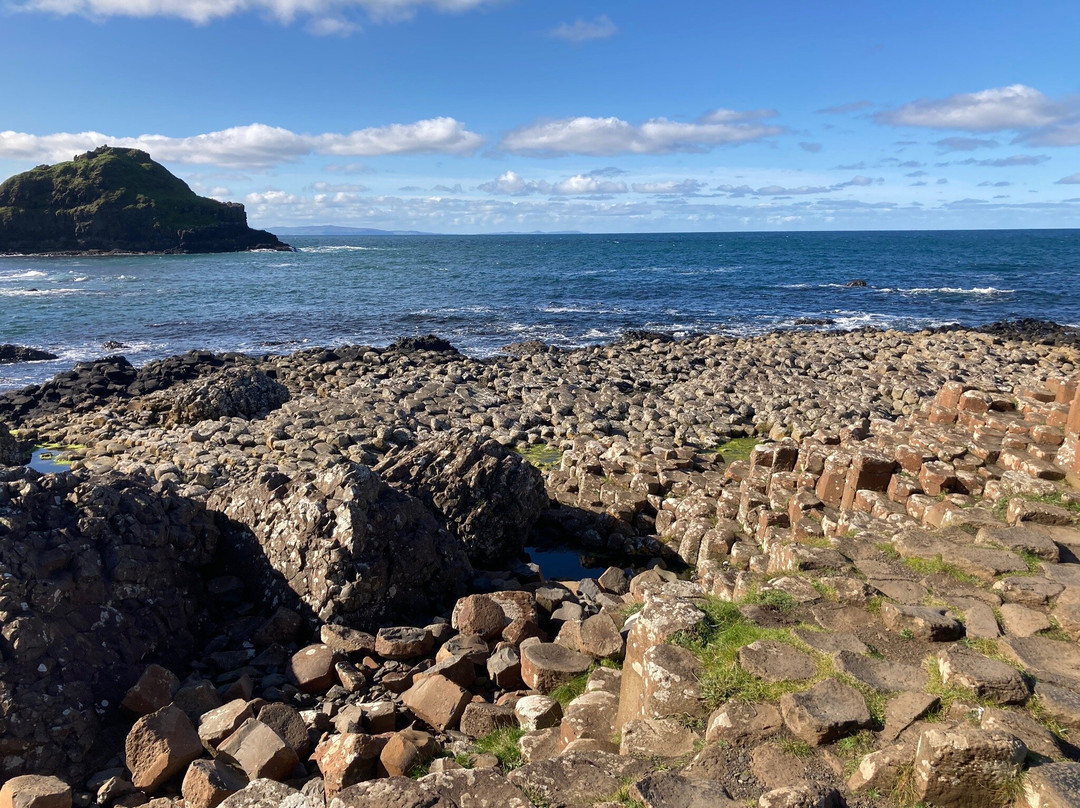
(118, 200)
(18, 353)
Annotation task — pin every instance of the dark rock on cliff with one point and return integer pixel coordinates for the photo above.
(96, 576)
(341, 544)
(9, 354)
(231, 392)
(487, 494)
(118, 200)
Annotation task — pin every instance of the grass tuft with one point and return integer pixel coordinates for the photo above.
(503, 743)
(737, 449)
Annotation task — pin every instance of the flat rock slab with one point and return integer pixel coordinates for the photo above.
(545, 666)
(904, 710)
(663, 738)
(1024, 538)
(578, 779)
(825, 713)
(668, 789)
(776, 661)
(1048, 660)
(881, 674)
(828, 642)
(1020, 621)
(739, 722)
(477, 787)
(1037, 738)
(923, 622)
(393, 792)
(1053, 785)
(987, 678)
(1060, 703)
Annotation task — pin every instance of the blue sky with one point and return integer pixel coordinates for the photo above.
(472, 116)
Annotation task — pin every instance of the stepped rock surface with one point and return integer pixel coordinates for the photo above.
(843, 570)
(118, 200)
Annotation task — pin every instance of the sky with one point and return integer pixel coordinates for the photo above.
(481, 116)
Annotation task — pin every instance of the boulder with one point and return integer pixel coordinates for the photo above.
(825, 713)
(35, 791)
(437, 701)
(922, 622)
(10, 454)
(666, 789)
(101, 591)
(312, 668)
(740, 723)
(160, 746)
(342, 543)
(347, 759)
(393, 792)
(987, 678)
(577, 778)
(10, 354)
(287, 722)
(268, 794)
(209, 782)
(1052, 785)
(154, 690)
(473, 788)
(258, 751)
(965, 767)
(229, 392)
(776, 661)
(537, 712)
(488, 495)
(657, 738)
(478, 614)
(545, 666)
(218, 724)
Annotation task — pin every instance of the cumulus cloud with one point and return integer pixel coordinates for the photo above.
(324, 15)
(610, 136)
(1014, 107)
(511, 183)
(585, 30)
(1072, 179)
(683, 188)
(952, 144)
(254, 146)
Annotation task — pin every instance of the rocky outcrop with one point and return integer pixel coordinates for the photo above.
(96, 575)
(9, 354)
(231, 392)
(118, 200)
(487, 494)
(10, 454)
(342, 543)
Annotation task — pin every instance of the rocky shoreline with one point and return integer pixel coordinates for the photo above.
(297, 580)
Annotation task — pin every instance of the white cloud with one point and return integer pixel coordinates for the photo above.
(1066, 133)
(951, 144)
(1072, 179)
(584, 31)
(611, 136)
(739, 191)
(511, 183)
(254, 146)
(1014, 107)
(686, 187)
(332, 26)
(286, 11)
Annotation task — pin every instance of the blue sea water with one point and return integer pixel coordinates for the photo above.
(483, 292)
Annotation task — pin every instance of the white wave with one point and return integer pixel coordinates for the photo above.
(19, 276)
(38, 292)
(950, 290)
(335, 248)
(580, 309)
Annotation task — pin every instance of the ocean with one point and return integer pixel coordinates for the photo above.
(484, 292)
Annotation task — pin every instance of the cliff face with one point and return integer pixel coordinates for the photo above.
(118, 200)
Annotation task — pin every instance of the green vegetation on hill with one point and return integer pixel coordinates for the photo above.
(115, 199)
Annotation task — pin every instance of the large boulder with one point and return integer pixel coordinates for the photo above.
(341, 545)
(96, 575)
(488, 495)
(229, 392)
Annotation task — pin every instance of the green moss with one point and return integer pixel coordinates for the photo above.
(503, 743)
(939, 566)
(737, 449)
(541, 455)
(716, 642)
(794, 746)
(775, 599)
